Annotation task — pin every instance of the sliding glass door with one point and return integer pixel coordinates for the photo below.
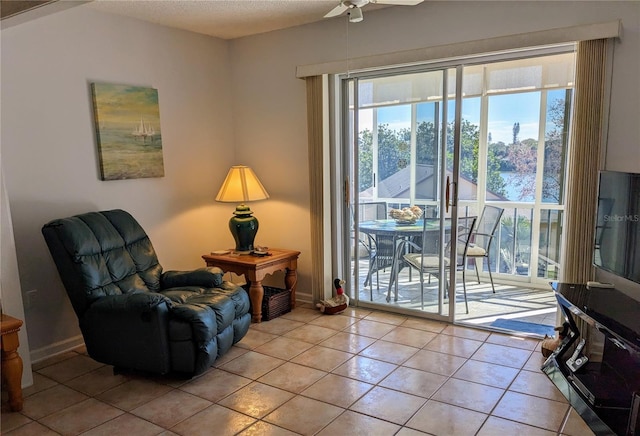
(401, 164)
(431, 145)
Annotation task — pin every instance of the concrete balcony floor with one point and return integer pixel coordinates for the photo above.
(513, 302)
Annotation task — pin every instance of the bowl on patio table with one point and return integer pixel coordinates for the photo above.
(403, 222)
(406, 216)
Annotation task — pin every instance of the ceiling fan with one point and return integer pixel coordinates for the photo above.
(355, 15)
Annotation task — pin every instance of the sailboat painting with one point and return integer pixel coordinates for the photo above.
(127, 122)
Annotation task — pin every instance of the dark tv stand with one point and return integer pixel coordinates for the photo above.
(604, 388)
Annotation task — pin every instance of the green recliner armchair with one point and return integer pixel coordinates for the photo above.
(132, 314)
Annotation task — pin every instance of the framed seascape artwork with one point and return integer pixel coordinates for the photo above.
(127, 121)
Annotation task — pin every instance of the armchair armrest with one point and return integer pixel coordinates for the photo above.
(132, 303)
(129, 331)
(210, 277)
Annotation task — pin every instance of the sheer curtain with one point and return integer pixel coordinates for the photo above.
(584, 162)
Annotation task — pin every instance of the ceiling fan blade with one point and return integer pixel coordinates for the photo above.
(397, 2)
(336, 11)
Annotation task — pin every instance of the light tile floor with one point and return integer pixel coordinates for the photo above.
(357, 373)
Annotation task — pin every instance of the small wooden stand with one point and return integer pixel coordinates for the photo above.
(11, 361)
(255, 269)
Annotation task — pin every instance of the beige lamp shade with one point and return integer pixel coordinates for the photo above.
(241, 185)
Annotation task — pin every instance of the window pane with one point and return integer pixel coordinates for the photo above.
(514, 242)
(427, 139)
(394, 151)
(555, 145)
(549, 246)
(513, 146)
(365, 153)
(469, 147)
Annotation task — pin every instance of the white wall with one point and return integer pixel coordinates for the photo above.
(49, 155)
(220, 103)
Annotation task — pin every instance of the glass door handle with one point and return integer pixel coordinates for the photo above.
(446, 195)
(449, 201)
(347, 192)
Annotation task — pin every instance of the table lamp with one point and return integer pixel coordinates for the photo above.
(242, 185)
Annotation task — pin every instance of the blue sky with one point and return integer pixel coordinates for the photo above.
(504, 111)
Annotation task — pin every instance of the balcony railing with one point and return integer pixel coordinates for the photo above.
(514, 251)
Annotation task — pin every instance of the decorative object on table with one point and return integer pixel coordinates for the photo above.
(242, 185)
(406, 215)
(260, 251)
(127, 123)
(335, 304)
(549, 344)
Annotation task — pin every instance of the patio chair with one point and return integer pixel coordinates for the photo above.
(425, 261)
(372, 211)
(379, 247)
(481, 238)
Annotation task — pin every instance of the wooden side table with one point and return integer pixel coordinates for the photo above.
(256, 268)
(11, 360)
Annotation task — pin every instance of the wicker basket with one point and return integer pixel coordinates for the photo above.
(276, 301)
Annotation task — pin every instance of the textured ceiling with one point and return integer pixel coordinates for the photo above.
(222, 18)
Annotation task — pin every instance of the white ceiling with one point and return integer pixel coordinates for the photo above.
(223, 18)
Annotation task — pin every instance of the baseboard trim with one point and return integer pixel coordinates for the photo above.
(56, 348)
(304, 297)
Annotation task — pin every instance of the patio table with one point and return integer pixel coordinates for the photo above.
(390, 228)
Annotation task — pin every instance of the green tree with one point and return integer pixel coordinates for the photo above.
(426, 144)
(365, 160)
(495, 182)
(554, 149)
(500, 150)
(469, 146)
(394, 151)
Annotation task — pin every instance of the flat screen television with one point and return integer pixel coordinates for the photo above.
(617, 236)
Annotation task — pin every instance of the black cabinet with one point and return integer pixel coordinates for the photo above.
(597, 366)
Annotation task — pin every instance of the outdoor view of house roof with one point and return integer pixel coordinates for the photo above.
(397, 186)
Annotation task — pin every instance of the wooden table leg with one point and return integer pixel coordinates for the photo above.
(290, 281)
(256, 294)
(12, 370)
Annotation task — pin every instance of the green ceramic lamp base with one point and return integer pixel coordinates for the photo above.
(243, 226)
